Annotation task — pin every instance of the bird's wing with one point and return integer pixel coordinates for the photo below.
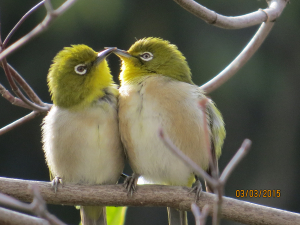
(217, 135)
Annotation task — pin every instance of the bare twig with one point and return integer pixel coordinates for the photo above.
(235, 160)
(37, 207)
(200, 218)
(240, 60)
(148, 195)
(25, 86)
(215, 182)
(38, 29)
(228, 22)
(17, 91)
(16, 27)
(9, 217)
(19, 122)
(198, 170)
(13, 100)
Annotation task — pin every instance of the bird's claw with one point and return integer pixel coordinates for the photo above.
(55, 182)
(197, 189)
(130, 184)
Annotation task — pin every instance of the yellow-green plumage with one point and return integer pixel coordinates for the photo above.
(157, 91)
(80, 133)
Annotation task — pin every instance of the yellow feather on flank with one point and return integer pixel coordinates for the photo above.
(157, 92)
(80, 133)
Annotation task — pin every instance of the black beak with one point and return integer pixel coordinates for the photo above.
(103, 54)
(120, 53)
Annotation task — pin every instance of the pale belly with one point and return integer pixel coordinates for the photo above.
(83, 147)
(142, 113)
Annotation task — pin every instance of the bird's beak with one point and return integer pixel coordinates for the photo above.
(120, 53)
(103, 54)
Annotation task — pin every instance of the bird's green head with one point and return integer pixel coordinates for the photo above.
(78, 76)
(151, 56)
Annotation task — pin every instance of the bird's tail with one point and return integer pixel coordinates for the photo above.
(177, 217)
(93, 215)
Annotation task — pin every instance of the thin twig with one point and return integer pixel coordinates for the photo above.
(16, 27)
(241, 153)
(37, 207)
(148, 195)
(10, 217)
(19, 122)
(198, 170)
(38, 29)
(200, 217)
(240, 60)
(17, 91)
(13, 100)
(25, 86)
(48, 6)
(234, 22)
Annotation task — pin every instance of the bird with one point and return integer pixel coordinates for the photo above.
(156, 92)
(80, 133)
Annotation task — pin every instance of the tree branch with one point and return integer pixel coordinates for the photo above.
(147, 195)
(16, 27)
(38, 29)
(236, 22)
(12, 99)
(240, 60)
(9, 217)
(19, 122)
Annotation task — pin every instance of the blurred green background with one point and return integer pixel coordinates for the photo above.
(260, 102)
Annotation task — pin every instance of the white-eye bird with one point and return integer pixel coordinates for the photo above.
(80, 134)
(157, 91)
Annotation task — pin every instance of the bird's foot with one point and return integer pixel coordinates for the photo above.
(197, 189)
(130, 183)
(55, 182)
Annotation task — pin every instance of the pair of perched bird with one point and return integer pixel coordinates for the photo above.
(91, 120)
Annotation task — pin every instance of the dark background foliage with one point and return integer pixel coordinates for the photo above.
(260, 102)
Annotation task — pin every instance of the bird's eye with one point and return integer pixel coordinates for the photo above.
(146, 56)
(80, 69)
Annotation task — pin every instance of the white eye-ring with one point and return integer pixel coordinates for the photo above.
(80, 69)
(146, 56)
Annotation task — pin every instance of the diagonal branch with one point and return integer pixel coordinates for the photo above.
(11, 217)
(234, 22)
(37, 206)
(13, 100)
(16, 27)
(19, 122)
(38, 29)
(240, 60)
(18, 92)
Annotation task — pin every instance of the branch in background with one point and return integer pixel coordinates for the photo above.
(17, 91)
(14, 78)
(237, 22)
(16, 27)
(13, 100)
(240, 60)
(241, 153)
(37, 207)
(200, 218)
(148, 195)
(38, 29)
(19, 122)
(9, 217)
(216, 183)
(267, 15)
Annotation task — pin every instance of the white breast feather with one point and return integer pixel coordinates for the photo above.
(83, 147)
